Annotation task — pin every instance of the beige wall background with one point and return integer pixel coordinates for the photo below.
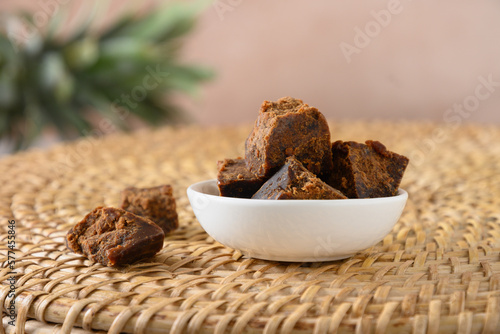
(432, 60)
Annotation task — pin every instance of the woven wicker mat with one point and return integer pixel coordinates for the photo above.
(438, 271)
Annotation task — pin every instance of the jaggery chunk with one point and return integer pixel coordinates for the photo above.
(235, 180)
(362, 171)
(156, 203)
(285, 128)
(294, 181)
(115, 237)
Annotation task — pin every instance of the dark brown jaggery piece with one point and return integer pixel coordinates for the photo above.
(363, 171)
(285, 128)
(156, 203)
(235, 180)
(294, 181)
(115, 237)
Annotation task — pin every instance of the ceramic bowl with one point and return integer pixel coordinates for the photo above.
(295, 230)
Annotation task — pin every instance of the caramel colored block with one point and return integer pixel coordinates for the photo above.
(115, 237)
(294, 181)
(286, 128)
(156, 203)
(366, 170)
(235, 180)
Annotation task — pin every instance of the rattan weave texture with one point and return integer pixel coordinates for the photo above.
(438, 271)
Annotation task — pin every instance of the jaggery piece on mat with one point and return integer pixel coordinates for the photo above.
(115, 237)
(235, 180)
(285, 128)
(362, 171)
(294, 181)
(156, 203)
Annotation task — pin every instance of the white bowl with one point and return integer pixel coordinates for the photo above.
(295, 230)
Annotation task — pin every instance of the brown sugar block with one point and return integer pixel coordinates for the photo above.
(294, 181)
(235, 180)
(285, 128)
(156, 203)
(115, 237)
(366, 170)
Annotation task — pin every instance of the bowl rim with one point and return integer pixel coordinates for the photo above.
(401, 196)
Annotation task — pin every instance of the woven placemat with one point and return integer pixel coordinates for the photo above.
(438, 271)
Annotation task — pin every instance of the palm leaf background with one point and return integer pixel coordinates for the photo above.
(49, 81)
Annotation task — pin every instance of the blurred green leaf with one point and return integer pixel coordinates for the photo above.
(126, 48)
(7, 92)
(50, 70)
(82, 53)
(132, 65)
(56, 22)
(115, 30)
(157, 25)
